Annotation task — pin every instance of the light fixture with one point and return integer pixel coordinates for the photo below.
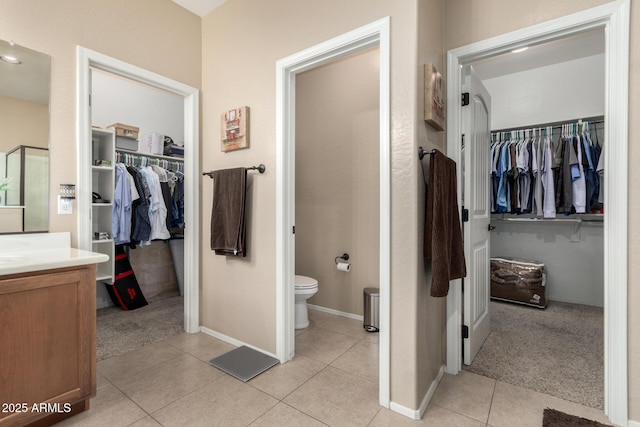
(520, 49)
(10, 59)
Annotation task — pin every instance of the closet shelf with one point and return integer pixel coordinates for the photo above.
(560, 218)
(95, 205)
(102, 241)
(102, 168)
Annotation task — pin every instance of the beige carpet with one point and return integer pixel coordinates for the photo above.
(557, 351)
(120, 331)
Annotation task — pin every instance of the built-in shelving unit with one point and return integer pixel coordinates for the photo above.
(102, 184)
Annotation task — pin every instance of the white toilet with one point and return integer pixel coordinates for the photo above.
(306, 287)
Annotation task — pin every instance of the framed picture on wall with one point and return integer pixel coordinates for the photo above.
(434, 98)
(235, 129)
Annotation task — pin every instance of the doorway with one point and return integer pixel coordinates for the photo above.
(372, 35)
(559, 333)
(614, 17)
(87, 60)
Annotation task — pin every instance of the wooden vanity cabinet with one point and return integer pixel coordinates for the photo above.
(47, 345)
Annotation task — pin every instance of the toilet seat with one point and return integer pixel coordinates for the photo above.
(304, 282)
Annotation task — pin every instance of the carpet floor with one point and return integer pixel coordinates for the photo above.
(557, 351)
(120, 331)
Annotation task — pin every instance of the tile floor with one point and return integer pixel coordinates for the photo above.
(332, 381)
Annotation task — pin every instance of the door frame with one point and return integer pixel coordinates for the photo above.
(88, 59)
(614, 17)
(374, 34)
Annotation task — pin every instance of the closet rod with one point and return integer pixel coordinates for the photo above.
(578, 220)
(260, 168)
(555, 125)
(134, 160)
(150, 156)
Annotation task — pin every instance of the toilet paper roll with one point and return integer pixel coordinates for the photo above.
(343, 266)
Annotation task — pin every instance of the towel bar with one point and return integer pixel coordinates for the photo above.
(422, 152)
(260, 168)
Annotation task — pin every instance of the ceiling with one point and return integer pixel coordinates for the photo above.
(565, 49)
(199, 7)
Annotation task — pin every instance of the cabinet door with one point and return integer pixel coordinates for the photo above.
(47, 331)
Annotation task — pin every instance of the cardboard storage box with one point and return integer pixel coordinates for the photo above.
(126, 143)
(152, 143)
(126, 131)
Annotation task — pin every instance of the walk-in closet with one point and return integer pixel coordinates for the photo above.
(547, 209)
(137, 212)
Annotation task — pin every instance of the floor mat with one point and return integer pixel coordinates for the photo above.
(244, 363)
(553, 418)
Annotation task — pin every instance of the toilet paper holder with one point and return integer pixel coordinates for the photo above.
(344, 256)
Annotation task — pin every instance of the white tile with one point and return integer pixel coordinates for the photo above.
(337, 398)
(224, 402)
(466, 393)
(109, 408)
(513, 404)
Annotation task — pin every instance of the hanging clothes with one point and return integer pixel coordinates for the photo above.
(549, 196)
(157, 208)
(531, 172)
(140, 224)
(122, 204)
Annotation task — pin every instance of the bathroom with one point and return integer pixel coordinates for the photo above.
(337, 181)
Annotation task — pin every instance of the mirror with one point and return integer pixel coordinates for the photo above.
(25, 77)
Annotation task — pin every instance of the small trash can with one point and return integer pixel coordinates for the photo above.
(371, 309)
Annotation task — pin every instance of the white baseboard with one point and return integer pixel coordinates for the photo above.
(232, 341)
(336, 312)
(416, 414)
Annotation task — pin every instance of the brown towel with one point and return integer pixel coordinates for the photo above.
(443, 236)
(227, 214)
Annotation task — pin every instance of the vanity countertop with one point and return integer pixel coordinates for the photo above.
(24, 253)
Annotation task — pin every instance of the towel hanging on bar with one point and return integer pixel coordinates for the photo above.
(443, 236)
(228, 212)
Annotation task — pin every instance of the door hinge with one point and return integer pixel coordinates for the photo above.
(465, 331)
(462, 143)
(465, 215)
(465, 98)
(294, 229)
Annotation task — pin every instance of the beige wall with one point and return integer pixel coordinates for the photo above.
(239, 69)
(337, 178)
(23, 123)
(468, 21)
(431, 312)
(159, 36)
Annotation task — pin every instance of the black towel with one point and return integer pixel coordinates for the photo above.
(227, 214)
(443, 236)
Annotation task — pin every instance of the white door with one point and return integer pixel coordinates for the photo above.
(475, 130)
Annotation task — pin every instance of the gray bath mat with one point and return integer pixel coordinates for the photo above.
(244, 363)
